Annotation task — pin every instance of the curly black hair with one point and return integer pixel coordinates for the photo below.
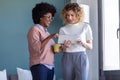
(40, 10)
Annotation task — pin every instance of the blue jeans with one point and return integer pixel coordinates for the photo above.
(41, 72)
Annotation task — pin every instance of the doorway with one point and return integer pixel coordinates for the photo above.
(109, 40)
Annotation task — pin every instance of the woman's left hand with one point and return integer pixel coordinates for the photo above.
(80, 42)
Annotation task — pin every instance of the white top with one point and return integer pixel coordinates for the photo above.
(82, 30)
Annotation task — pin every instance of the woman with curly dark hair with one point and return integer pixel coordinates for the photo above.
(40, 42)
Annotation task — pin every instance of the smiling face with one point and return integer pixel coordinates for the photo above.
(46, 20)
(71, 17)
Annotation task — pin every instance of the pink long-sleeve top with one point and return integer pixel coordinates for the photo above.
(40, 55)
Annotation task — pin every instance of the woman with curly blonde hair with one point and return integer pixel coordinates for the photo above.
(78, 11)
(75, 60)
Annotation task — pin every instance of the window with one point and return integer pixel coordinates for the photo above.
(111, 57)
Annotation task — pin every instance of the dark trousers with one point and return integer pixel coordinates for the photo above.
(41, 72)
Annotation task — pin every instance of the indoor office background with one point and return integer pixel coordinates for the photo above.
(15, 21)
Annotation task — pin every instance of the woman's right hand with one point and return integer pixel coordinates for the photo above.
(54, 35)
(67, 43)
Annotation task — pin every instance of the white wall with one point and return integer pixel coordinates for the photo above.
(93, 55)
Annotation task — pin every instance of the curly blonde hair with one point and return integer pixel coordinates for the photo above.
(75, 8)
